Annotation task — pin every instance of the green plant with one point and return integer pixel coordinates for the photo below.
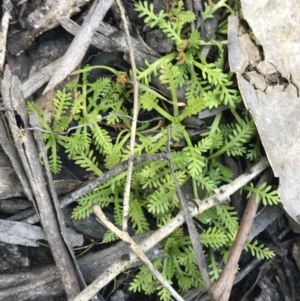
(96, 107)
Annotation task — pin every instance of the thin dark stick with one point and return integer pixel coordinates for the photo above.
(199, 253)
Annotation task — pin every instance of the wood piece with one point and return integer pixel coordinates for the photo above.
(296, 252)
(59, 215)
(9, 148)
(209, 113)
(43, 18)
(13, 100)
(11, 186)
(17, 233)
(39, 78)
(6, 9)
(246, 270)
(106, 38)
(80, 44)
(13, 206)
(271, 264)
(20, 233)
(266, 216)
(45, 282)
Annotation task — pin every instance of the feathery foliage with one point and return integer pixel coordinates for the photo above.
(92, 108)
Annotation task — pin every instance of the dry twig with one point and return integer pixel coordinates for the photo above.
(124, 236)
(134, 121)
(220, 290)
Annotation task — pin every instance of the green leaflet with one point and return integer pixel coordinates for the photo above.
(259, 250)
(264, 193)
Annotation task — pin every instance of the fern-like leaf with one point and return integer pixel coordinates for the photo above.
(114, 157)
(88, 162)
(158, 201)
(102, 139)
(54, 159)
(258, 250)
(101, 88)
(55, 162)
(148, 101)
(195, 105)
(170, 75)
(215, 271)
(136, 214)
(61, 124)
(100, 196)
(143, 281)
(194, 40)
(152, 20)
(33, 107)
(225, 171)
(148, 11)
(207, 184)
(109, 237)
(238, 135)
(212, 99)
(62, 103)
(265, 193)
(79, 142)
(254, 152)
(228, 217)
(213, 237)
(196, 162)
